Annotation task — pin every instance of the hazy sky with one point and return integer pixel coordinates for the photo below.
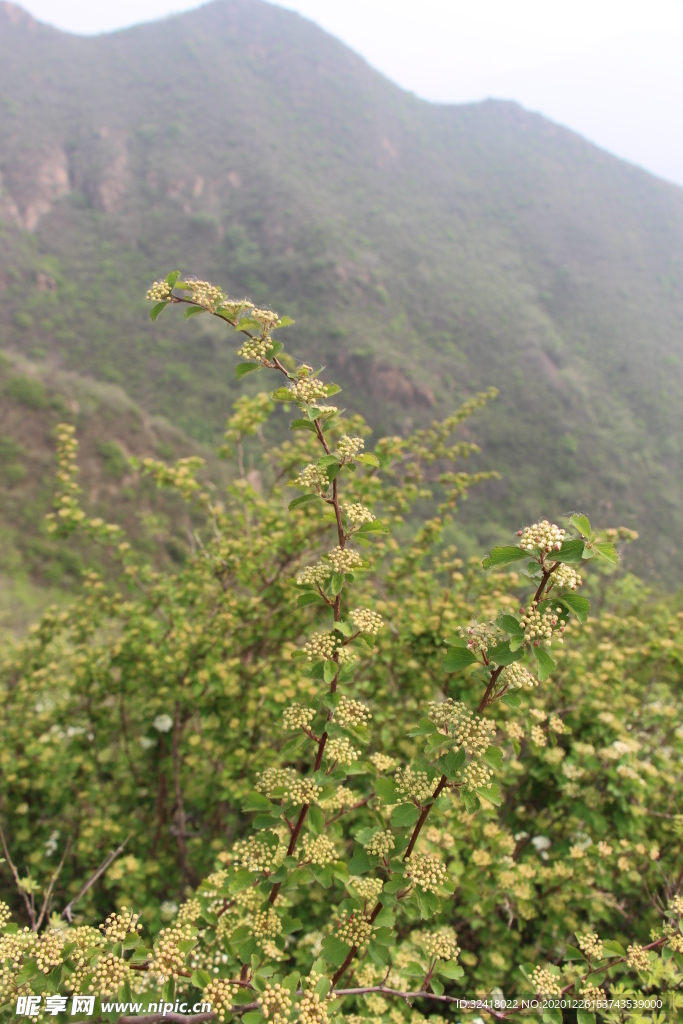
(610, 69)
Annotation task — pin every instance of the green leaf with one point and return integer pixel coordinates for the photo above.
(242, 369)
(572, 953)
(493, 757)
(607, 551)
(428, 902)
(253, 1017)
(316, 820)
(156, 310)
(405, 816)
(376, 526)
(504, 556)
(613, 947)
(303, 499)
(27, 972)
(384, 936)
(585, 1017)
(332, 389)
(334, 951)
(510, 624)
(256, 802)
(437, 987)
(457, 659)
(310, 598)
(285, 321)
(275, 348)
(452, 762)
(582, 524)
(290, 925)
(172, 278)
(291, 982)
(345, 628)
(194, 311)
(451, 970)
(130, 942)
(492, 792)
(456, 641)
(512, 700)
(413, 970)
(552, 1016)
(571, 551)
(359, 863)
(330, 670)
(368, 459)
(302, 425)
(378, 953)
(248, 324)
(386, 790)
(242, 880)
(200, 979)
(425, 727)
(502, 654)
(337, 583)
(282, 395)
(168, 991)
(581, 606)
(545, 663)
(328, 460)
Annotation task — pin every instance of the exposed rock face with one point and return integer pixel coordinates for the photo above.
(100, 168)
(382, 382)
(34, 183)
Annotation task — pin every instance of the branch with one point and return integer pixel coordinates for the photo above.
(109, 859)
(48, 894)
(175, 1018)
(27, 903)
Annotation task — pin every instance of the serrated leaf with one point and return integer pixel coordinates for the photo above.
(405, 816)
(545, 663)
(456, 641)
(337, 583)
(572, 953)
(334, 951)
(248, 324)
(282, 395)
(512, 700)
(172, 278)
(502, 654)
(290, 925)
(386, 790)
(330, 670)
(452, 762)
(376, 526)
(613, 947)
(582, 524)
(552, 1016)
(571, 551)
(303, 499)
(302, 425)
(608, 552)
(585, 1017)
(493, 757)
(503, 556)
(428, 902)
(368, 459)
(284, 321)
(156, 310)
(451, 970)
(332, 389)
(510, 624)
(256, 802)
(168, 991)
(27, 972)
(457, 659)
(492, 793)
(316, 820)
(242, 369)
(194, 311)
(581, 606)
(310, 598)
(345, 628)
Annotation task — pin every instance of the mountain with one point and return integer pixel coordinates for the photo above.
(425, 252)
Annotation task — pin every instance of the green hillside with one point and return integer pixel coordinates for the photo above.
(425, 251)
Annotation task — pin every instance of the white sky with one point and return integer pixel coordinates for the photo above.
(610, 69)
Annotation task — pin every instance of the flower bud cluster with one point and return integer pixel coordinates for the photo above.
(266, 317)
(118, 926)
(322, 646)
(5, 914)
(426, 871)
(313, 1008)
(367, 621)
(49, 952)
(160, 291)
(474, 775)
(441, 944)
(353, 928)
(514, 731)
(592, 995)
(294, 789)
(340, 751)
(342, 797)
(190, 910)
(312, 476)
(676, 905)
(306, 390)
(265, 924)
(367, 888)
(637, 958)
(296, 717)
(545, 983)
(314, 575)
(206, 294)
(109, 974)
(538, 737)
(590, 944)
(343, 560)
(483, 636)
(275, 1002)
(167, 959)
(557, 725)
(218, 993)
(470, 731)
(380, 844)
(674, 939)
(540, 627)
(543, 536)
(346, 655)
(255, 854)
(517, 677)
(413, 785)
(348, 447)
(351, 712)
(357, 514)
(254, 348)
(382, 762)
(318, 850)
(565, 576)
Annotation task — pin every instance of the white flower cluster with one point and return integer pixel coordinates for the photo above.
(266, 317)
(312, 476)
(367, 888)
(314, 575)
(254, 348)
(637, 958)
(441, 944)
(318, 850)
(190, 910)
(111, 971)
(426, 871)
(5, 914)
(346, 655)
(565, 576)
(470, 731)
(255, 854)
(357, 514)
(353, 928)
(538, 737)
(297, 716)
(351, 712)
(167, 958)
(160, 291)
(340, 751)
(413, 785)
(49, 953)
(322, 646)
(540, 628)
(265, 924)
(206, 294)
(275, 1002)
(366, 620)
(475, 775)
(557, 725)
(307, 390)
(517, 677)
(483, 636)
(313, 1008)
(592, 994)
(676, 905)
(380, 844)
(383, 763)
(590, 944)
(218, 993)
(545, 983)
(118, 926)
(515, 731)
(544, 537)
(285, 780)
(343, 560)
(348, 447)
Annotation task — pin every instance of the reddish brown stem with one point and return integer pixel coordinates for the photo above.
(487, 693)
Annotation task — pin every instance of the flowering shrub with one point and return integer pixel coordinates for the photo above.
(346, 776)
